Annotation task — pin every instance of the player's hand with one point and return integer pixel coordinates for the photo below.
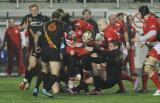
(25, 26)
(136, 39)
(73, 45)
(128, 46)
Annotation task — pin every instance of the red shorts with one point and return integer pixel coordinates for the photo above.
(153, 53)
(80, 51)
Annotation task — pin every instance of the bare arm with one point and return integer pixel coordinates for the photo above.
(148, 35)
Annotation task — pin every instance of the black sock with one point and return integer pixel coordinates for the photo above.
(82, 86)
(41, 75)
(29, 75)
(52, 79)
(97, 84)
(45, 80)
(72, 65)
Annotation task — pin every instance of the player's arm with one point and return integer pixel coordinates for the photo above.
(148, 35)
(37, 40)
(40, 40)
(126, 37)
(95, 29)
(152, 32)
(46, 19)
(24, 24)
(67, 29)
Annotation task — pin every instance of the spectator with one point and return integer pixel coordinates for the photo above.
(12, 38)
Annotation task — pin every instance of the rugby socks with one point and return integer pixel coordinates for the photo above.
(29, 76)
(121, 85)
(72, 65)
(52, 79)
(127, 77)
(154, 78)
(40, 78)
(45, 80)
(97, 83)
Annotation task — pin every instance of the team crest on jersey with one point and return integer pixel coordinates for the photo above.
(52, 27)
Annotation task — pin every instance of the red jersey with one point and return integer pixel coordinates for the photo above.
(12, 36)
(111, 33)
(81, 27)
(119, 26)
(150, 23)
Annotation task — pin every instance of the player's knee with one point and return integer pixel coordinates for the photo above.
(55, 71)
(148, 68)
(89, 80)
(149, 65)
(31, 65)
(55, 88)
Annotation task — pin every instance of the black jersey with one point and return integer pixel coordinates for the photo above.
(52, 34)
(35, 26)
(114, 60)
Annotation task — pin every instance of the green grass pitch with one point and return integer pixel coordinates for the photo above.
(10, 93)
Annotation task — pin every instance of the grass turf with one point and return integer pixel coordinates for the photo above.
(10, 93)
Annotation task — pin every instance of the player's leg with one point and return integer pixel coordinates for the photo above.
(53, 78)
(86, 63)
(120, 83)
(71, 68)
(29, 73)
(153, 75)
(144, 81)
(42, 76)
(131, 62)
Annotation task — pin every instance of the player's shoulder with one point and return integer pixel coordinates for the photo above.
(28, 15)
(152, 18)
(48, 22)
(92, 21)
(43, 16)
(52, 22)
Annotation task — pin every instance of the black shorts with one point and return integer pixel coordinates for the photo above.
(33, 53)
(100, 59)
(112, 79)
(50, 55)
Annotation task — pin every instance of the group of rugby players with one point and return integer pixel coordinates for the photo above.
(69, 50)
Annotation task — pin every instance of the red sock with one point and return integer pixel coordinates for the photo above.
(155, 80)
(121, 86)
(127, 77)
(144, 81)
